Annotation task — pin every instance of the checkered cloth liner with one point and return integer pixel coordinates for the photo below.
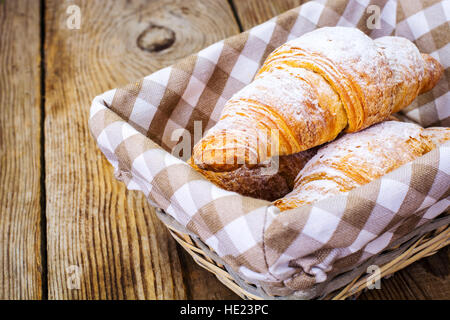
(136, 128)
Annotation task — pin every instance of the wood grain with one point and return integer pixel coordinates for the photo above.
(110, 234)
(202, 284)
(254, 12)
(426, 279)
(20, 153)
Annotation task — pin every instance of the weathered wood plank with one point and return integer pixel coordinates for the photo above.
(20, 153)
(111, 235)
(426, 279)
(200, 278)
(254, 12)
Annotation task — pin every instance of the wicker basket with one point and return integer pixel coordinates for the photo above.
(423, 242)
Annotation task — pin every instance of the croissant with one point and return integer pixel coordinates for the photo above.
(267, 181)
(358, 158)
(312, 88)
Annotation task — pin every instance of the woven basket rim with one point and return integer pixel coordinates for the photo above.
(423, 241)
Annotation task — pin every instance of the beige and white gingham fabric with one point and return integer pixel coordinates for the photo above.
(136, 128)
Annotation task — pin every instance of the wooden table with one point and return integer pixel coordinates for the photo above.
(68, 230)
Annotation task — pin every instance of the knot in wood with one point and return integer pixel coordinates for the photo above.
(156, 38)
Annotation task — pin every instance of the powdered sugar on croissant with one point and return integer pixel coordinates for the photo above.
(312, 88)
(358, 158)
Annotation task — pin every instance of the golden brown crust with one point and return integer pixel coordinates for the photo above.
(271, 102)
(433, 73)
(261, 182)
(413, 73)
(312, 88)
(438, 135)
(358, 158)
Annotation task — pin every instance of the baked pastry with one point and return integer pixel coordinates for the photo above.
(312, 88)
(437, 134)
(358, 158)
(267, 181)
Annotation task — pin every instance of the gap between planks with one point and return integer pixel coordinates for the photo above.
(42, 141)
